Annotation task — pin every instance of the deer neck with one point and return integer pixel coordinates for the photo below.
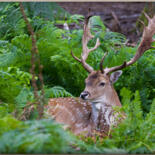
(104, 104)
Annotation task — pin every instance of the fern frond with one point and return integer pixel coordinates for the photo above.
(56, 91)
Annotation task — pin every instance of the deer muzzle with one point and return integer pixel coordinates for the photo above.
(84, 95)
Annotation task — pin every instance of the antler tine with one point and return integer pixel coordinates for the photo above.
(148, 18)
(141, 22)
(101, 63)
(85, 39)
(144, 45)
(76, 58)
(85, 50)
(85, 65)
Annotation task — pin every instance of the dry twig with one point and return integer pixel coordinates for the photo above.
(35, 61)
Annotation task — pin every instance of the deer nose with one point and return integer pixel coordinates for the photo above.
(84, 95)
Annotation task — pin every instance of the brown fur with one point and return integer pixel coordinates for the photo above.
(73, 112)
(77, 113)
(93, 87)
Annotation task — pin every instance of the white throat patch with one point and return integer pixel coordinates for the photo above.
(98, 106)
(101, 99)
(101, 103)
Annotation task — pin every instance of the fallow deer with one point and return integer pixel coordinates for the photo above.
(93, 110)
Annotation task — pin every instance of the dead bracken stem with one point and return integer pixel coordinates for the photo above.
(35, 61)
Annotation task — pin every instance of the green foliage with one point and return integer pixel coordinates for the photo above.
(46, 10)
(56, 91)
(8, 123)
(41, 135)
(140, 76)
(12, 80)
(63, 77)
(134, 135)
(11, 23)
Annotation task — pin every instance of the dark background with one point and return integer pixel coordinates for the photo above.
(127, 14)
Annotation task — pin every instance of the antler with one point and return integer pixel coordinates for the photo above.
(85, 50)
(144, 45)
(101, 62)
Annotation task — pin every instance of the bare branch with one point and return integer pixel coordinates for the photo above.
(34, 53)
(116, 20)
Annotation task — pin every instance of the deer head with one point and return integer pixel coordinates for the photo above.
(99, 83)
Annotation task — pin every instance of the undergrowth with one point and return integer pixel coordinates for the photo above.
(63, 77)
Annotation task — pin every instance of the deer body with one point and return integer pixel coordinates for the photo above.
(94, 109)
(74, 113)
(82, 115)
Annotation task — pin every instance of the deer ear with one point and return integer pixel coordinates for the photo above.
(115, 75)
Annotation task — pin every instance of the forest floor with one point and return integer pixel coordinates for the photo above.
(118, 16)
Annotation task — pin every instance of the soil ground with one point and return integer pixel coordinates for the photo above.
(117, 16)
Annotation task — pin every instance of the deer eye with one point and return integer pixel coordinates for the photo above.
(102, 84)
